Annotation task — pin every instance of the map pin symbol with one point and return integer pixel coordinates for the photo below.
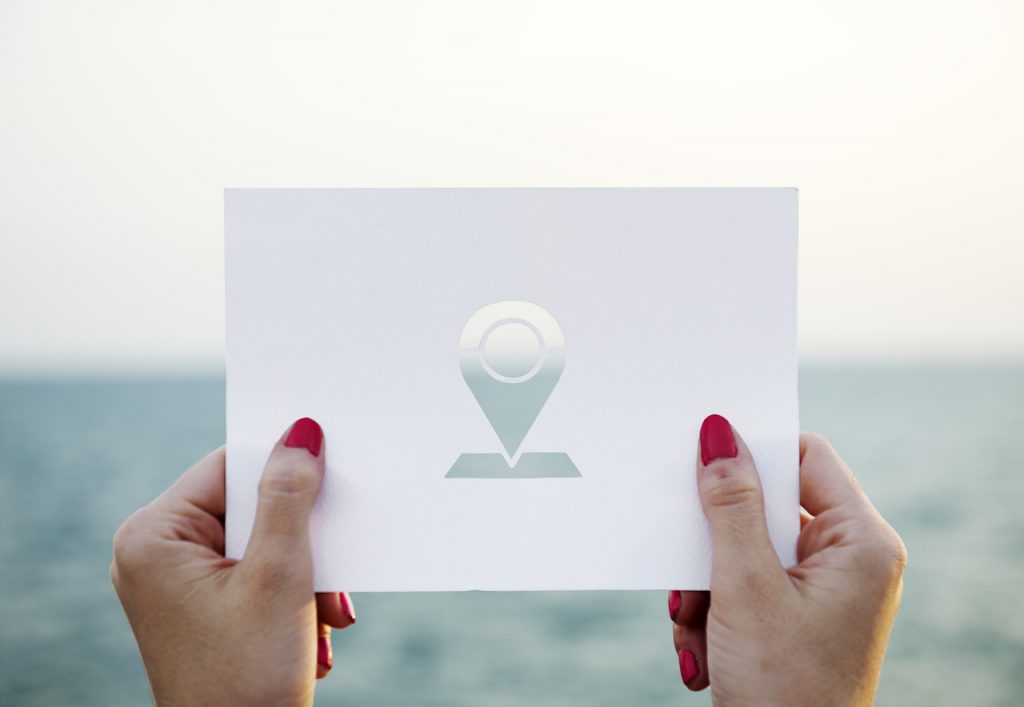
(511, 355)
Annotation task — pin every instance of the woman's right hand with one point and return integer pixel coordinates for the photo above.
(812, 634)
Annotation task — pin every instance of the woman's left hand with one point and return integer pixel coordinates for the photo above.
(216, 631)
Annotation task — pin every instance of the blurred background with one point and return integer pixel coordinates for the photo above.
(121, 123)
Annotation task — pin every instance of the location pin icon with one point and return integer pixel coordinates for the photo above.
(512, 355)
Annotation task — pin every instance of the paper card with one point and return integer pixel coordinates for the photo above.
(511, 381)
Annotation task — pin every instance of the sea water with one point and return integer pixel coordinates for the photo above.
(940, 452)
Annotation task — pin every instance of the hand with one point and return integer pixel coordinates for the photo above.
(215, 631)
(813, 634)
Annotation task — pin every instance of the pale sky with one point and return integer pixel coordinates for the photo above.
(122, 122)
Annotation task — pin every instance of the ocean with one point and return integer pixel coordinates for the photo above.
(940, 452)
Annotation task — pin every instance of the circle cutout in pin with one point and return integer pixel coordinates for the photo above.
(512, 350)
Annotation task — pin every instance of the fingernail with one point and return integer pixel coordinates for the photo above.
(688, 665)
(306, 433)
(324, 655)
(716, 439)
(675, 602)
(346, 606)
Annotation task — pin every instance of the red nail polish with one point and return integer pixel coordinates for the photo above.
(716, 439)
(688, 665)
(306, 433)
(346, 606)
(324, 655)
(675, 603)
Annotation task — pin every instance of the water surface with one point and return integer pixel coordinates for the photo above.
(941, 452)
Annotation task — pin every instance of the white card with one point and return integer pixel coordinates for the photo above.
(511, 381)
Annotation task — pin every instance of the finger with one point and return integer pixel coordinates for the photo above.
(201, 486)
(825, 480)
(192, 508)
(288, 488)
(324, 651)
(730, 492)
(688, 608)
(692, 651)
(335, 609)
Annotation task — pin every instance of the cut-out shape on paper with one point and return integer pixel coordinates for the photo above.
(512, 355)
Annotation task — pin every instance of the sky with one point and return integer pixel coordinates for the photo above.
(122, 122)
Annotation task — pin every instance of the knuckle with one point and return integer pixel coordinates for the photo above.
(731, 491)
(130, 546)
(815, 444)
(888, 554)
(290, 478)
(902, 556)
(816, 440)
(895, 551)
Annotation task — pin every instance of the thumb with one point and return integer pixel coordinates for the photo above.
(730, 492)
(288, 488)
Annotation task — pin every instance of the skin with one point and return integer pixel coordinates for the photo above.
(813, 634)
(214, 631)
